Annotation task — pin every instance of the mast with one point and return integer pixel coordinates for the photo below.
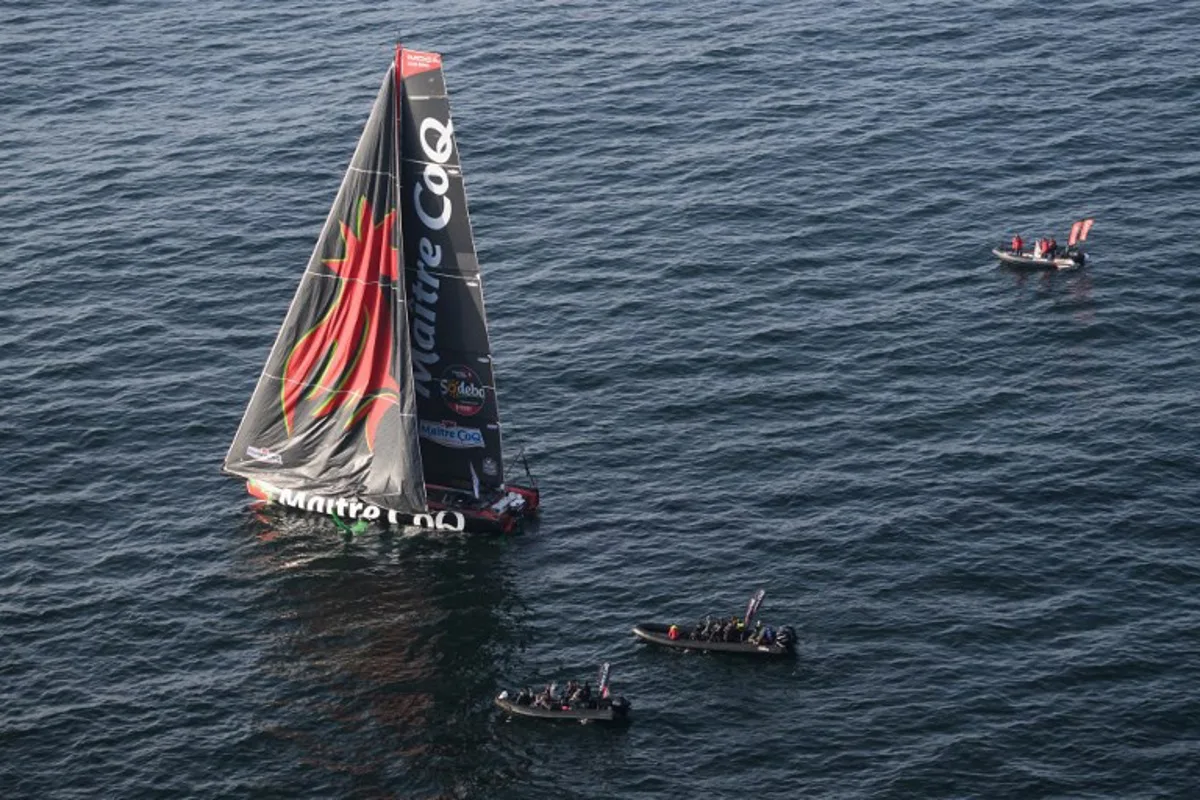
(453, 377)
(334, 410)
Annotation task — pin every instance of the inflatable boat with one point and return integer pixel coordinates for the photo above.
(1023, 259)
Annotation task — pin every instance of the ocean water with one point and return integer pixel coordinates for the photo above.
(746, 325)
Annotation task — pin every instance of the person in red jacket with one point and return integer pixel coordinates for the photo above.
(1017, 244)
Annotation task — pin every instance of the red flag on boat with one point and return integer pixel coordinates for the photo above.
(1087, 226)
(1074, 233)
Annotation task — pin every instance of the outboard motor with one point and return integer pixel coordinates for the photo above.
(786, 637)
(620, 707)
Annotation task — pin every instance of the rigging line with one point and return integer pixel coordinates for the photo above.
(388, 174)
(453, 169)
(437, 273)
(330, 390)
(335, 276)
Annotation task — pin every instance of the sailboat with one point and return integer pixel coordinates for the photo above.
(378, 400)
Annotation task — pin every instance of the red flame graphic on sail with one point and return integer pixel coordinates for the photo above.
(351, 345)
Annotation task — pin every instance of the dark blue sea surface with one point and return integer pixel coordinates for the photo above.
(746, 323)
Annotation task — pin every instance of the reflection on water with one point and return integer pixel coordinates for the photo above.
(1080, 287)
(1075, 286)
(382, 655)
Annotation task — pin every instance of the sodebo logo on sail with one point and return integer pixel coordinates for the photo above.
(434, 214)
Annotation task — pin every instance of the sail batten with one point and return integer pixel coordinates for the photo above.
(326, 276)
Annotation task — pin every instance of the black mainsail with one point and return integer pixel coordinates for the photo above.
(452, 358)
(380, 386)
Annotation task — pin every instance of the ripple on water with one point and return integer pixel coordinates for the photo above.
(744, 319)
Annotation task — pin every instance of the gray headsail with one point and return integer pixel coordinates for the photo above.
(334, 411)
(452, 357)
